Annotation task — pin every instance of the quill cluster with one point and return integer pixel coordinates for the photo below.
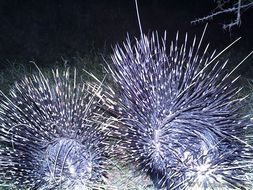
(181, 114)
(53, 134)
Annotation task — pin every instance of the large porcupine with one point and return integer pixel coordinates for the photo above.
(181, 115)
(52, 134)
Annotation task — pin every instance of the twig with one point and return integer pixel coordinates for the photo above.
(236, 8)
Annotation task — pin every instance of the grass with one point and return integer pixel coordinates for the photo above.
(124, 178)
(15, 71)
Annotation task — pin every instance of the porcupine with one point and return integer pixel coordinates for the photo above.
(180, 113)
(53, 134)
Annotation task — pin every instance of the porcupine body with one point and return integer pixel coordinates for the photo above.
(180, 115)
(52, 134)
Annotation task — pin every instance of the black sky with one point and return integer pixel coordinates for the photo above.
(46, 30)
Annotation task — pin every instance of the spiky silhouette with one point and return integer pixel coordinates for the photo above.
(180, 114)
(52, 134)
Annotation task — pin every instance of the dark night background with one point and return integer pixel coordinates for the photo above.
(46, 31)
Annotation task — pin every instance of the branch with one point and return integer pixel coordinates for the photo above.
(236, 8)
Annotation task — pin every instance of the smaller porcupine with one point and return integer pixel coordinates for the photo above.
(180, 112)
(52, 134)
